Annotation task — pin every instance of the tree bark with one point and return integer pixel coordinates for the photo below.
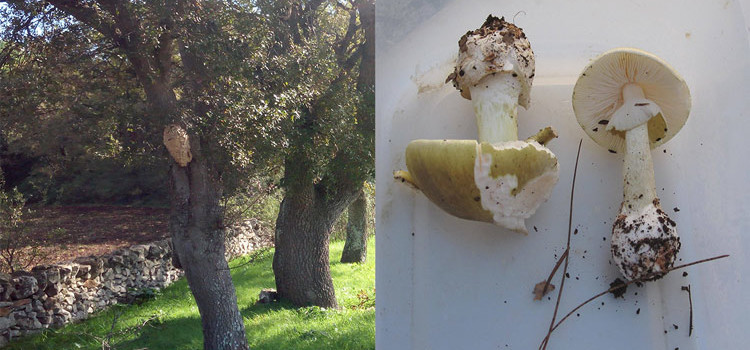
(198, 240)
(301, 261)
(355, 248)
(306, 217)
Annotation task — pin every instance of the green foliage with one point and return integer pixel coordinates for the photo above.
(259, 200)
(139, 296)
(313, 70)
(102, 181)
(13, 232)
(241, 124)
(175, 323)
(71, 108)
(269, 84)
(268, 210)
(11, 208)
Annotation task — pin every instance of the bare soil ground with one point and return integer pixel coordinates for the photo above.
(64, 233)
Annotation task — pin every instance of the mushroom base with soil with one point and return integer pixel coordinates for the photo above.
(644, 242)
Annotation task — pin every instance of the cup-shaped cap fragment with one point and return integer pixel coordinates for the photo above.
(496, 47)
(501, 183)
(598, 94)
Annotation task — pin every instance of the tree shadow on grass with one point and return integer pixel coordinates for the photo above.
(176, 333)
(186, 332)
(267, 329)
(281, 325)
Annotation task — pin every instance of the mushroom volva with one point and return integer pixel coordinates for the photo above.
(631, 101)
(499, 179)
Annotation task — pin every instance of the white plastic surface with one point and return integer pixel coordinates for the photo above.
(447, 283)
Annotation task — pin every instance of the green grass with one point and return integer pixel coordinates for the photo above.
(269, 326)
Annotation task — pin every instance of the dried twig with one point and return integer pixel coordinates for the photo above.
(108, 338)
(552, 274)
(516, 15)
(690, 299)
(565, 255)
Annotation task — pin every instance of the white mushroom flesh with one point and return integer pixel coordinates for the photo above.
(500, 195)
(495, 101)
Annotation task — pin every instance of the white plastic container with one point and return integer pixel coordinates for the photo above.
(447, 283)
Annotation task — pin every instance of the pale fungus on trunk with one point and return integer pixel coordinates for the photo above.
(499, 179)
(630, 101)
(176, 140)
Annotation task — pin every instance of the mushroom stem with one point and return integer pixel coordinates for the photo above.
(638, 170)
(495, 100)
(639, 187)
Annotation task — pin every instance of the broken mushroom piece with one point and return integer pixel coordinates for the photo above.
(498, 179)
(630, 101)
(481, 181)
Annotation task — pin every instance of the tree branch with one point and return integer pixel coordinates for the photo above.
(164, 51)
(116, 22)
(308, 17)
(88, 15)
(348, 178)
(130, 37)
(341, 48)
(8, 49)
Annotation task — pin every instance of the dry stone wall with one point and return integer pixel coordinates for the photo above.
(53, 295)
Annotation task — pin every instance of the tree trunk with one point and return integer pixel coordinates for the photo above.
(301, 259)
(198, 240)
(355, 248)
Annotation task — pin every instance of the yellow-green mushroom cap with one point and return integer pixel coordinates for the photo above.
(598, 94)
(501, 183)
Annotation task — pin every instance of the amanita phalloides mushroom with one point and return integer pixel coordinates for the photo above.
(630, 101)
(499, 179)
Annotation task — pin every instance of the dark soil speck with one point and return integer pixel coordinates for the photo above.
(619, 292)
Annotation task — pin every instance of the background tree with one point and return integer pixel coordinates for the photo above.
(331, 149)
(355, 248)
